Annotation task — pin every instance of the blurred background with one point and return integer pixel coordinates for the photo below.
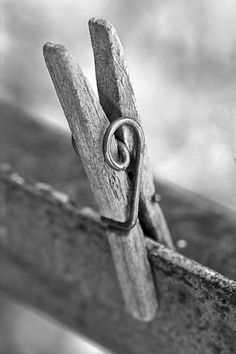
(182, 59)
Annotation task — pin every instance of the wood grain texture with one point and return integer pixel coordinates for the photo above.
(58, 260)
(47, 158)
(111, 189)
(47, 263)
(117, 99)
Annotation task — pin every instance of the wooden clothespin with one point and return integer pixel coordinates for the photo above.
(88, 121)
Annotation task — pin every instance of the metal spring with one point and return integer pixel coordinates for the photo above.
(123, 165)
(118, 166)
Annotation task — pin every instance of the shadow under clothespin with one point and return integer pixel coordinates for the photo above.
(113, 188)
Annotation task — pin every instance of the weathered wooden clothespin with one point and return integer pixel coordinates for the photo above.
(89, 120)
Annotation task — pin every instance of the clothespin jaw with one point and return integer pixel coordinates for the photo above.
(89, 124)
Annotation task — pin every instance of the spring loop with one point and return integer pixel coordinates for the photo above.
(122, 165)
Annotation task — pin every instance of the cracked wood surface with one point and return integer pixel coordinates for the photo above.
(111, 188)
(58, 260)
